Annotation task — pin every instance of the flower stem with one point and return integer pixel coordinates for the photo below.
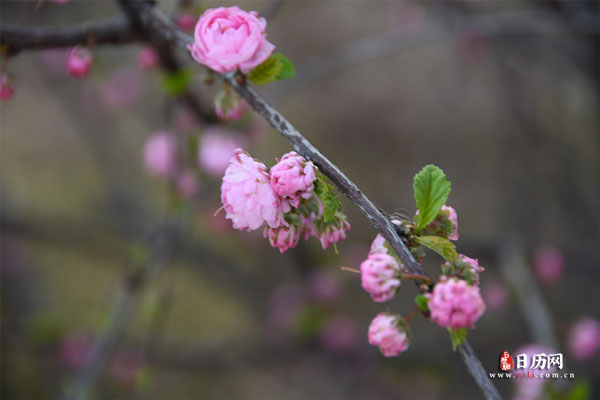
(410, 316)
(416, 276)
(350, 270)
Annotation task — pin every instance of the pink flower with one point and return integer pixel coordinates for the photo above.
(283, 237)
(216, 149)
(293, 178)
(339, 334)
(148, 58)
(323, 287)
(471, 266)
(229, 106)
(549, 264)
(187, 184)
(160, 154)
(494, 295)
(6, 87)
(378, 245)
(380, 275)
(584, 338)
(454, 220)
(230, 38)
(247, 196)
(79, 62)
(388, 332)
(455, 304)
(186, 22)
(333, 233)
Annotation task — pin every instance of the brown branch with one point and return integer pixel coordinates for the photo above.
(116, 30)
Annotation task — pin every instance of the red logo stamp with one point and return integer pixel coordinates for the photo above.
(506, 362)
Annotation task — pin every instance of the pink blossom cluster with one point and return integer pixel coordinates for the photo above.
(79, 62)
(455, 304)
(281, 198)
(380, 276)
(388, 332)
(468, 267)
(445, 224)
(228, 38)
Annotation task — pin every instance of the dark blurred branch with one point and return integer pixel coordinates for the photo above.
(114, 31)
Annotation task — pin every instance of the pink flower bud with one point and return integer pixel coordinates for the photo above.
(6, 87)
(380, 276)
(494, 295)
(160, 154)
(216, 149)
(549, 264)
(333, 233)
(471, 266)
(229, 106)
(79, 62)
(584, 338)
(226, 39)
(445, 224)
(388, 333)
(247, 196)
(186, 22)
(455, 304)
(339, 334)
(283, 237)
(293, 178)
(148, 58)
(323, 287)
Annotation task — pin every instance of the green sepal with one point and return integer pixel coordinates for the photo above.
(443, 247)
(268, 71)
(458, 337)
(288, 71)
(331, 203)
(421, 302)
(431, 190)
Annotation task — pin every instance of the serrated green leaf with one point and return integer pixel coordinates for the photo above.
(288, 70)
(268, 71)
(421, 302)
(458, 337)
(431, 192)
(331, 203)
(175, 83)
(443, 247)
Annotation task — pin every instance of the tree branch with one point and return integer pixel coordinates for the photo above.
(116, 30)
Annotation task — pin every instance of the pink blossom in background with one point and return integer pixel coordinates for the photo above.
(122, 88)
(495, 295)
(455, 304)
(549, 264)
(125, 366)
(7, 88)
(187, 184)
(584, 339)
(229, 106)
(333, 233)
(186, 121)
(79, 62)
(247, 196)
(216, 148)
(283, 237)
(285, 304)
(293, 178)
(160, 154)
(388, 334)
(531, 389)
(186, 22)
(323, 287)
(226, 39)
(148, 58)
(380, 276)
(339, 334)
(75, 348)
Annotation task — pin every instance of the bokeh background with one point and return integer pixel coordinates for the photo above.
(503, 96)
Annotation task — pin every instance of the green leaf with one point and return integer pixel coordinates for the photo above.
(288, 70)
(443, 247)
(580, 391)
(431, 192)
(268, 71)
(421, 302)
(458, 337)
(331, 203)
(175, 83)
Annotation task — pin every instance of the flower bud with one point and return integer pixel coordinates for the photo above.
(229, 106)
(293, 178)
(148, 58)
(6, 87)
(455, 304)
(380, 276)
(283, 237)
(389, 333)
(79, 62)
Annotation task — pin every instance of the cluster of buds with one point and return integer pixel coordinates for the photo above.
(283, 199)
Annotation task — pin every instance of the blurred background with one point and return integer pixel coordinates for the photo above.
(503, 96)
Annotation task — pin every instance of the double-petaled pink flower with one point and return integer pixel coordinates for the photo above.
(227, 38)
(283, 237)
(247, 196)
(333, 233)
(293, 178)
(455, 304)
(388, 333)
(380, 276)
